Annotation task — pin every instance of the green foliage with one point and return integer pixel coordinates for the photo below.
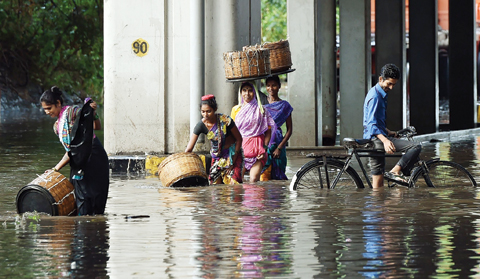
(53, 43)
(274, 20)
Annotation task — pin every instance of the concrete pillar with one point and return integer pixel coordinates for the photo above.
(390, 47)
(355, 65)
(462, 65)
(423, 66)
(197, 60)
(326, 75)
(135, 76)
(177, 76)
(229, 25)
(147, 69)
(302, 86)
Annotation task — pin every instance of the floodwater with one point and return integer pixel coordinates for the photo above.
(242, 231)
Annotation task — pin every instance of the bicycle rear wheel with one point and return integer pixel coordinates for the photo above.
(444, 174)
(312, 175)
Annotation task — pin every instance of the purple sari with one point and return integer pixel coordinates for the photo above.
(280, 111)
(252, 121)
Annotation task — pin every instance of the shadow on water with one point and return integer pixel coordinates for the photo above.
(241, 231)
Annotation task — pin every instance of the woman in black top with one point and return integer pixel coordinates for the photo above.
(89, 170)
(226, 143)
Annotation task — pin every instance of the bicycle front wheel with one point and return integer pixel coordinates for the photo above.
(313, 175)
(444, 174)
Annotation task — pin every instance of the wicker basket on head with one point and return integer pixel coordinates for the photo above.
(182, 170)
(280, 55)
(252, 62)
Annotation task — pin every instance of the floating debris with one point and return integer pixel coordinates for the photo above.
(137, 216)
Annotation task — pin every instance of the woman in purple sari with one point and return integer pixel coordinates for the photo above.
(281, 112)
(255, 125)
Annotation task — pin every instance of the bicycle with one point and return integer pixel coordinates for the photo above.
(331, 167)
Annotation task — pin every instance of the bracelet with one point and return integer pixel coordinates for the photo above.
(54, 169)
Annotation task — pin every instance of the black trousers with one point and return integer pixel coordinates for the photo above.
(412, 151)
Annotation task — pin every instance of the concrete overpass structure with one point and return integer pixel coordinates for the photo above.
(155, 73)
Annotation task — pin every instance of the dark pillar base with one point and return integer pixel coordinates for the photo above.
(423, 59)
(462, 63)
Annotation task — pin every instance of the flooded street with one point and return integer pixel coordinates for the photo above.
(242, 231)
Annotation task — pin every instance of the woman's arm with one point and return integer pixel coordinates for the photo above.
(268, 135)
(288, 134)
(97, 125)
(191, 143)
(238, 142)
(64, 161)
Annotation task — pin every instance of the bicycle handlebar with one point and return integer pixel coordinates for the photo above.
(407, 132)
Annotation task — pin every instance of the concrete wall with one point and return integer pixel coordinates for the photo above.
(147, 94)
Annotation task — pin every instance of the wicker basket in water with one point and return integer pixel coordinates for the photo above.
(182, 170)
(280, 55)
(252, 62)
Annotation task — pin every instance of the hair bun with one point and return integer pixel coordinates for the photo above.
(208, 97)
(56, 90)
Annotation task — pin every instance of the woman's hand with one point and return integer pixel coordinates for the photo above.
(276, 153)
(52, 169)
(230, 169)
(261, 156)
(93, 105)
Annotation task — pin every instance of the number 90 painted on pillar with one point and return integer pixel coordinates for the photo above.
(140, 47)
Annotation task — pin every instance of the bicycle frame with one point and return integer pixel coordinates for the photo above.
(341, 157)
(357, 154)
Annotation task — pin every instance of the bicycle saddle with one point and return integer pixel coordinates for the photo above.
(357, 143)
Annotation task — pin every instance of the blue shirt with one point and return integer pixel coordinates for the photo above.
(375, 113)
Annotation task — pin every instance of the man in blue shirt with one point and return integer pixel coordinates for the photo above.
(374, 128)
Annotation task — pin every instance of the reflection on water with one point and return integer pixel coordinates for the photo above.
(55, 247)
(241, 231)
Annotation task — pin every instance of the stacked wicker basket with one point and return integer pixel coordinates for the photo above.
(258, 60)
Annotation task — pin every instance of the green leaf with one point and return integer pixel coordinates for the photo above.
(51, 38)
